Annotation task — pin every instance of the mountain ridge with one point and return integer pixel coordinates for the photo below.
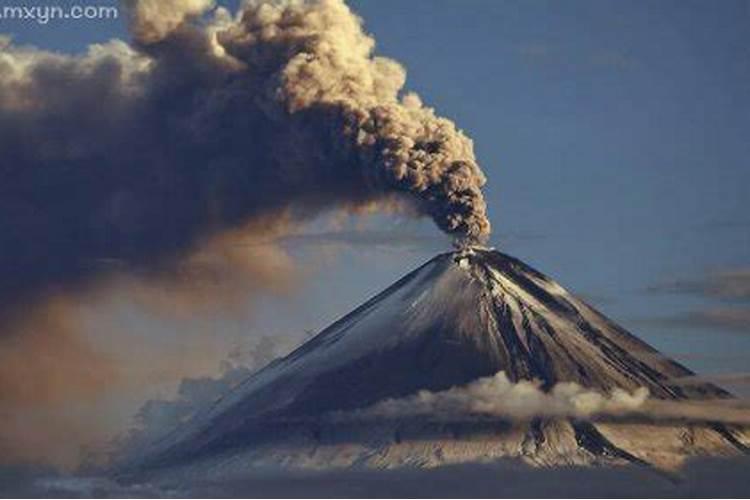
(459, 317)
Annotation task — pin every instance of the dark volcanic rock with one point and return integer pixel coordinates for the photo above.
(461, 316)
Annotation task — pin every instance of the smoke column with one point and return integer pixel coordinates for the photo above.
(138, 153)
(205, 129)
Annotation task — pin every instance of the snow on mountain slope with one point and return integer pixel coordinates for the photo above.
(459, 317)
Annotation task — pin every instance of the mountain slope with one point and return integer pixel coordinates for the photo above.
(459, 317)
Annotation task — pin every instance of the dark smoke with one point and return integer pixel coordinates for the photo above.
(159, 159)
(138, 153)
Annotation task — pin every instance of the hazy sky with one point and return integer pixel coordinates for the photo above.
(614, 135)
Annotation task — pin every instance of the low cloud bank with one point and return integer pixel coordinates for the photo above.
(497, 396)
(731, 284)
(158, 417)
(703, 478)
(731, 287)
(734, 319)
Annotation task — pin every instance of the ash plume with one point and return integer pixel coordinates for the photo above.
(131, 159)
(49, 377)
(141, 152)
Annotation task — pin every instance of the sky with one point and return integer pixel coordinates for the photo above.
(613, 135)
(614, 138)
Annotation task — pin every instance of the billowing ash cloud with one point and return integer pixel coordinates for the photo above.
(49, 375)
(153, 20)
(137, 153)
(74, 368)
(150, 164)
(497, 396)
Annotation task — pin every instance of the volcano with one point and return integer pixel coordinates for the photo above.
(462, 316)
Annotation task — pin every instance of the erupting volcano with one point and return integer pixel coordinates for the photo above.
(460, 318)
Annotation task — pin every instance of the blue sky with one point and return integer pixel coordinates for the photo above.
(613, 134)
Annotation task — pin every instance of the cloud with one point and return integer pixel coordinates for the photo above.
(49, 376)
(497, 396)
(488, 397)
(726, 286)
(153, 20)
(156, 167)
(731, 319)
(716, 378)
(712, 478)
(729, 284)
(367, 238)
(158, 417)
(140, 153)
(709, 478)
(596, 298)
(730, 224)
(74, 368)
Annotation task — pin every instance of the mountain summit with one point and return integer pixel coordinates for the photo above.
(461, 317)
